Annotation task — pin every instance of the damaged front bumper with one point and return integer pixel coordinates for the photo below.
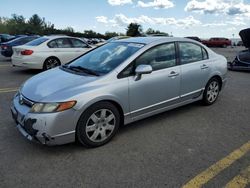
(45, 128)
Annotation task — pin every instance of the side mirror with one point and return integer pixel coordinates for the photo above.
(142, 69)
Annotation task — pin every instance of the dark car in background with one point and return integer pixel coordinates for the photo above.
(6, 48)
(195, 38)
(217, 42)
(6, 38)
(242, 59)
(240, 43)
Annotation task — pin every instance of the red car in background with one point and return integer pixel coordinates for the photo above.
(217, 42)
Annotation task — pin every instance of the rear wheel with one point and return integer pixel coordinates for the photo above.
(98, 124)
(211, 92)
(50, 63)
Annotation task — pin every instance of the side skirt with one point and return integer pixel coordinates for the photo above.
(128, 119)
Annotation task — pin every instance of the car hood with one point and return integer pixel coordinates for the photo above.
(245, 37)
(54, 84)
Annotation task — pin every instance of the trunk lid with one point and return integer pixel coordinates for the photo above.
(245, 37)
(17, 50)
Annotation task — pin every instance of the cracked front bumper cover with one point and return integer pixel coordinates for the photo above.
(45, 128)
(28, 131)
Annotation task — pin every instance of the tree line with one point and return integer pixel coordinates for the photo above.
(35, 25)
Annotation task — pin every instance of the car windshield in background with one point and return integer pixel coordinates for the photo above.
(105, 58)
(37, 41)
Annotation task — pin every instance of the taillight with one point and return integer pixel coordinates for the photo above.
(27, 52)
(4, 47)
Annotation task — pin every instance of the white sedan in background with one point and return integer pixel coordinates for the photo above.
(48, 52)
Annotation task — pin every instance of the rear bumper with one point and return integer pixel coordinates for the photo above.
(6, 53)
(26, 62)
(236, 65)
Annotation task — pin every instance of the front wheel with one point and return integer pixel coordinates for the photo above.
(98, 124)
(211, 92)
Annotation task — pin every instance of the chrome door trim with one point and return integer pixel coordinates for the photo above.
(151, 106)
(193, 92)
(166, 101)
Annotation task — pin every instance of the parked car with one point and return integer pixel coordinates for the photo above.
(86, 40)
(217, 42)
(117, 38)
(17, 36)
(117, 83)
(242, 60)
(6, 48)
(240, 43)
(195, 38)
(6, 37)
(48, 52)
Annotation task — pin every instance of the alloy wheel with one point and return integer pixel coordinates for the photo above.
(100, 125)
(51, 63)
(213, 91)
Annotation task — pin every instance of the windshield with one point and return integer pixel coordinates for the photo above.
(107, 57)
(37, 41)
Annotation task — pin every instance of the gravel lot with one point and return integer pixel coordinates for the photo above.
(166, 150)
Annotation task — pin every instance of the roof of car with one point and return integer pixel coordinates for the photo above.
(57, 36)
(15, 39)
(54, 36)
(148, 40)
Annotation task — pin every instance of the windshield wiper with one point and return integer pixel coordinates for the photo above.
(82, 69)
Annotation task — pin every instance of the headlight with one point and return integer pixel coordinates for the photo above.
(52, 107)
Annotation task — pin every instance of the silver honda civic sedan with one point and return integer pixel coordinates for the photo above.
(88, 99)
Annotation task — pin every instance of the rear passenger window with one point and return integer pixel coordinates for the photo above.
(63, 43)
(159, 57)
(78, 43)
(204, 53)
(52, 44)
(190, 52)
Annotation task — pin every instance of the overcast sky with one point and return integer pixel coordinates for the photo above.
(203, 18)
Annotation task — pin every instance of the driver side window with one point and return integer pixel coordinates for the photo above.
(159, 57)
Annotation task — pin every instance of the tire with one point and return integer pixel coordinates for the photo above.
(50, 63)
(224, 46)
(98, 124)
(211, 92)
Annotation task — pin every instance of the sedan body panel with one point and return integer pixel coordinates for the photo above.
(42, 51)
(159, 87)
(135, 96)
(194, 77)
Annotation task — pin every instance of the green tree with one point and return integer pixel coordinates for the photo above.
(92, 34)
(109, 35)
(69, 30)
(151, 31)
(3, 25)
(36, 25)
(36, 21)
(134, 29)
(16, 24)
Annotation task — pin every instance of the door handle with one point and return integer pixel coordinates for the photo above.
(173, 74)
(204, 66)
